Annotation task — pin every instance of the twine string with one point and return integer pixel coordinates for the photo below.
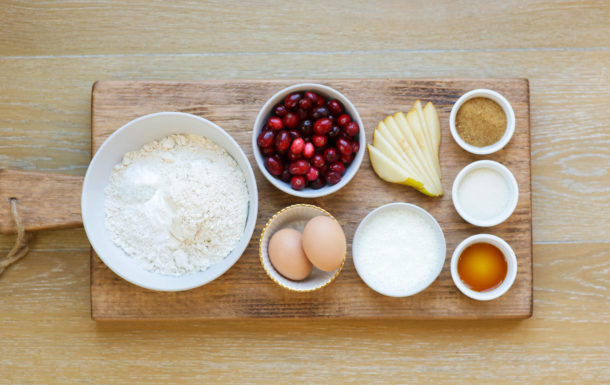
(21, 248)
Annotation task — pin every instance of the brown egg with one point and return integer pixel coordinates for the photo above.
(287, 256)
(324, 243)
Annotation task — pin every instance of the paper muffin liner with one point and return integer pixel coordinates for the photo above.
(294, 217)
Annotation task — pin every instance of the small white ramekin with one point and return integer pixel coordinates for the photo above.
(509, 256)
(294, 217)
(513, 193)
(510, 121)
(327, 92)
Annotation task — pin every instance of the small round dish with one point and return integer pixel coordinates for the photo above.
(510, 121)
(509, 256)
(434, 262)
(330, 93)
(133, 136)
(294, 217)
(512, 193)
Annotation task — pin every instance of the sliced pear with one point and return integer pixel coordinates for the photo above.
(382, 144)
(434, 125)
(405, 149)
(419, 149)
(418, 118)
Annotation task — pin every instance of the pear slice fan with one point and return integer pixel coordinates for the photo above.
(405, 149)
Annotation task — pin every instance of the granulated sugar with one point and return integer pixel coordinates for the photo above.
(398, 251)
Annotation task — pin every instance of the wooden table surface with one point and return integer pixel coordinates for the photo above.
(51, 52)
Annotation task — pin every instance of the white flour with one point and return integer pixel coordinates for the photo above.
(178, 205)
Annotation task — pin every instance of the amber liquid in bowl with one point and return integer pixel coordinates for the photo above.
(482, 267)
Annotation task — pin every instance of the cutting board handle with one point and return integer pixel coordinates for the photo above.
(44, 201)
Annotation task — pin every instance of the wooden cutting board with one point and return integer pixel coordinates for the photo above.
(245, 291)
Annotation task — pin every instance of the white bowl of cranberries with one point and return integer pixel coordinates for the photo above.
(308, 140)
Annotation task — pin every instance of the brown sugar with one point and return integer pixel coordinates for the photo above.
(480, 122)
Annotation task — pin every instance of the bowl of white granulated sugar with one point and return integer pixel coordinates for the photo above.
(399, 249)
(169, 201)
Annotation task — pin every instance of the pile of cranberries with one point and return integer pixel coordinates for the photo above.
(308, 141)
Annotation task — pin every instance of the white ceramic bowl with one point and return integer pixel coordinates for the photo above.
(328, 93)
(294, 217)
(437, 260)
(133, 136)
(513, 193)
(509, 256)
(510, 121)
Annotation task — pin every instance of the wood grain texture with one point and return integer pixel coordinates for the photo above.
(144, 27)
(245, 291)
(45, 201)
(47, 128)
(46, 314)
(563, 47)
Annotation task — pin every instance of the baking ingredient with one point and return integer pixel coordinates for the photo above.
(287, 256)
(483, 193)
(307, 123)
(482, 266)
(405, 149)
(398, 251)
(324, 243)
(480, 122)
(177, 205)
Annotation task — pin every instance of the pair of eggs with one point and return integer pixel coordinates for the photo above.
(322, 245)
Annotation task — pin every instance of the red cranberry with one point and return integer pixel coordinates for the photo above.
(308, 150)
(299, 167)
(302, 114)
(347, 159)
(286, 176)
(331, 155)
(317, 160)
(317, 184)
(352, 129)
(291, 100)
(305, 103)
(297, 146)
(334, 132)
(337, 167)
(281, 110)
(332, 177)
(312, 96)
(343, 120)
(323, 169)
(322, 126)
(265, 139)
(297, 182)
(344, 146)
(292, 156)
(282, 140)
(319, 140)
(291, 120)
(275, 123)
(319, 112)
(267, 151)
(294, 134)
(274, 165)
(312, 174)
(306, 128)
(335, 107)
(355, 146)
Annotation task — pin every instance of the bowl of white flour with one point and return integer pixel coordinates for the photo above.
(169, 201)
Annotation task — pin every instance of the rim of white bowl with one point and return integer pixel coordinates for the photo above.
(442, 252)
(265, 111)
(509, 256)
(510, 121)
(513, 193)
(241, 246)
